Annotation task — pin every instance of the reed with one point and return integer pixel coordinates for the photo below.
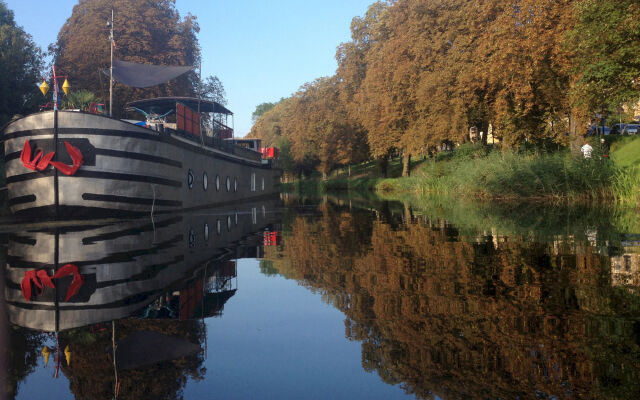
(475, 171)
(514, 175)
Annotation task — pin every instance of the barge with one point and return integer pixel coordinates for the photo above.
(72, 164)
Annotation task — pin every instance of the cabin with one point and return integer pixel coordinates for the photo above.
(197, 120)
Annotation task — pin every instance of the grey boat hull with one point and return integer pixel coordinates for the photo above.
(127, 169)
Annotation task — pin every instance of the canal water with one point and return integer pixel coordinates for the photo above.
(325, 299)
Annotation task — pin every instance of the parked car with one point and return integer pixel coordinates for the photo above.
(617, 129)
(631, 129)
(598, 130)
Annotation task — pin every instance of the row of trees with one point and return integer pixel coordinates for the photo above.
(149, 32)
(417, 73)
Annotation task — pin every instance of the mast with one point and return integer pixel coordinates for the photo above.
(111, 68)
(55, 89)
(200, 98)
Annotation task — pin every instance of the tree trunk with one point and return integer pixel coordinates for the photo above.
(406, 165)
(349, 170)
(383, 163)
(576, 126)
(485, 131)
(324, 175)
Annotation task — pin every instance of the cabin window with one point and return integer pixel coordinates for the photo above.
(229, 223)
(190, 179)
(253, 181)
(205, 180)
(235, 184)
(218, 183)
(263, 183)
(228, 184)
(206, 231)
(218, 227)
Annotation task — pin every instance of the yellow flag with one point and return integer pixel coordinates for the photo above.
(66, 86)
(44, 88)
(67, 355)
(46, 352)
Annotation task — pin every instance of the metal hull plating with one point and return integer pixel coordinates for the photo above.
(126, 169)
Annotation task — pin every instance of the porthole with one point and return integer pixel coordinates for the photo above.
(218, 183)
(190, 179)
(192, 238)
(229, 223)
(218, 227)
(205, 181)
(206, 232)
(228, 184)
(263, 183)
(235, 184)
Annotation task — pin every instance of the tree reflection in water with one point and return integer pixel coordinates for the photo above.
(479, 315)
(92, 376)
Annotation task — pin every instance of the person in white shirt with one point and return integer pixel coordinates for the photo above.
(586, 150)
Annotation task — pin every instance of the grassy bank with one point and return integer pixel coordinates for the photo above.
(510, 175)
(478, 172)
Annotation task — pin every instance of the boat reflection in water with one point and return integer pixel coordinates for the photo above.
(167, 273)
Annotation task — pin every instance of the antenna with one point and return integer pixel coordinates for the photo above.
(110, 24)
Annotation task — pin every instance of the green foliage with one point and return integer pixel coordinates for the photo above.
(20, 67)
(606, 43)
(470, 151)
(261, 109)
(80, 100)
(286, 158)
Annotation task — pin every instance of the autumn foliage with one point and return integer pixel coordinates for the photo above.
(418, 73)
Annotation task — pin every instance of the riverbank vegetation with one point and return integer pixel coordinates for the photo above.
(418, 76)
(478, 171)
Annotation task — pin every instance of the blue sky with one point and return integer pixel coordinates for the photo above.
(260, 50)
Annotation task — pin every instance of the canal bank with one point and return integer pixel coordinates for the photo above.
(611, 173)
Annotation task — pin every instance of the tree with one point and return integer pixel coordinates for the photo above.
(261, 109)
(147, 31)
(212, 89)
(268, 126)
(353, 66)
(605, 42)
(20, 68)
(525, 69)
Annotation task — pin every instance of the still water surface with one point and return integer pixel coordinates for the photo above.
(326, 299)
